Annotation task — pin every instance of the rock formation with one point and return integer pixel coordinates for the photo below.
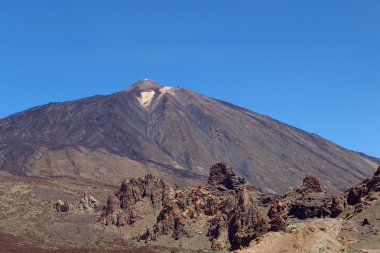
(247, 221)
(230, 206)
(311, 184)
(356, 193)
(278, 215)
(235, 213)
(135, 198)
(357, 197)
(338, 205)
(62, 206)
(306, 201)
(222, 175)
(86, 203)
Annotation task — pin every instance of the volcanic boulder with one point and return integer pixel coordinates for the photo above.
(278, 215)
(338, 205)
(220, 174)
(62, 206)
(310, 184)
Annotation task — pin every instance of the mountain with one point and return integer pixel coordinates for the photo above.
(173, 132)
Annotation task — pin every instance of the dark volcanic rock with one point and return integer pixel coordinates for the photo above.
(313, 205)
(179, 228)
(377, 172)
(220, 174)
(306, 201)
(356, 193)
(363, 189)
(310, 201)
(338, 205)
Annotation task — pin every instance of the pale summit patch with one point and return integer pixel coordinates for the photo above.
(146, 97)
(167, 89)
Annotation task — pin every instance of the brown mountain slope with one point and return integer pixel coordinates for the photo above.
(171, 131)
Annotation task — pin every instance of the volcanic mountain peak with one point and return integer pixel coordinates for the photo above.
(173, 131)
(143, 85)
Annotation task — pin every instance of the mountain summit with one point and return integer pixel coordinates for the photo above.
(147, 91)
(174, 132)
(143, 85)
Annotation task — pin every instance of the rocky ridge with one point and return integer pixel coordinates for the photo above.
(309, 201)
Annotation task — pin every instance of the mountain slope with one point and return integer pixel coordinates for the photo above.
(172, 131)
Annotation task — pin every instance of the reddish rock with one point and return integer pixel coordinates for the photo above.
(220, 174)
(314, 206)
(278, 215)
(312, 184)
(121, 209)
(356, 193)
(247, 222)
(179, 228)
(338, 205)
(135, 190)
(234, 215)
(306, 201)
(110, 213)
(166, 220)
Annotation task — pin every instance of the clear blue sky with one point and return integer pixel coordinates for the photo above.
(314, 64)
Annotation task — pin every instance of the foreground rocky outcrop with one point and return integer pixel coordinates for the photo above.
(232, 212)
(229, 206)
